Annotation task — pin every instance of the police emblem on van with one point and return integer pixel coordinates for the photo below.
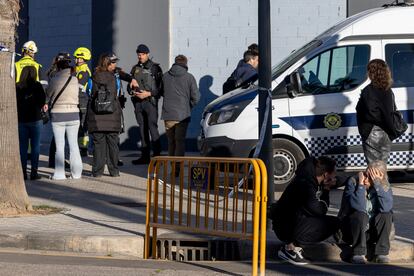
(332, 121)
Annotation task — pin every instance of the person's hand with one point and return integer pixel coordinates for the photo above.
(375, 174)
(45, 108)
(362, 178)
(142, 94)
(133, 83)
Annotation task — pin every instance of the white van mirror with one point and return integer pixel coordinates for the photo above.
(293, 85)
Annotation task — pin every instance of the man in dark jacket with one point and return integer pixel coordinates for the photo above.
(245, 73)
(180, 96)
(300, 214)
(149, 77)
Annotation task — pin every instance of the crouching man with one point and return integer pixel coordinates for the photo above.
(366, 213)
(299, 217)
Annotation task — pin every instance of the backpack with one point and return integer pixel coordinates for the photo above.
(103, 102)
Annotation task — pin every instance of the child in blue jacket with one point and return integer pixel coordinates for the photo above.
(366, 213)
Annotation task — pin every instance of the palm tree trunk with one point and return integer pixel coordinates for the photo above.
(13, 195)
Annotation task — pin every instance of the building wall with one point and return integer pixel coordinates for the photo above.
(215, 33)
(356, 6)
(58, 26)
(119, 26)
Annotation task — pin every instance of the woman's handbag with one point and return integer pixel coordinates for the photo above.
(400, 126)
(44, 116)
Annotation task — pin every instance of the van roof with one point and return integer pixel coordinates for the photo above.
(391, 20)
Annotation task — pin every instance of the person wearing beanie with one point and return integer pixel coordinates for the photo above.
(148, 74)
(180, 94)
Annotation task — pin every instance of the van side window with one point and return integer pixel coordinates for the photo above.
(400, 58)
(336, 70)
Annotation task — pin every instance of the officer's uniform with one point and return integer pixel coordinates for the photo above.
(84, 78)
(149, 77)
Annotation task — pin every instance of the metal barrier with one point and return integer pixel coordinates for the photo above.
(211, 196)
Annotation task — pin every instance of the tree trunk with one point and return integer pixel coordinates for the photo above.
(13, 196)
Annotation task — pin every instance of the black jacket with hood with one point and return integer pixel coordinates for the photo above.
(304, 197)
(180, 94)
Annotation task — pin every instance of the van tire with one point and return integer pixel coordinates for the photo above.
(286, 157)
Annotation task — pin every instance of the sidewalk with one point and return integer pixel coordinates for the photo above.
(106, 216)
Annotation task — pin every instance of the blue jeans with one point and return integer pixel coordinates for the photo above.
(30, 131)
(71, 129)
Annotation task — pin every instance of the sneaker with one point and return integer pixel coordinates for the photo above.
(120, 163)
(292, 256)
(358, 259)
(382, 259)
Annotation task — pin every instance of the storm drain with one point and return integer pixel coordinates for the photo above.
(185, 248)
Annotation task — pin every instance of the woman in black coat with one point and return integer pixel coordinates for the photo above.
(375, 113)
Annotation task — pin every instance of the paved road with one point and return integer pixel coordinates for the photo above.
(15, 263)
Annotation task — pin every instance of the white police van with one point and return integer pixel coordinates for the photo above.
(331, 72)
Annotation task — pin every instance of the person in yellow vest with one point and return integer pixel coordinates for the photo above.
(83, 73)
(30, 100)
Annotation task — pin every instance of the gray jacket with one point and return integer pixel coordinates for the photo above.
(180, 94)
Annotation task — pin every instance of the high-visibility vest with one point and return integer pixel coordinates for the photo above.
(84, 68)
(26, 61)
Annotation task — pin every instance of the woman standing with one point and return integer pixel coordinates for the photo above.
(375, 113)
(105, 128)
(63, 92)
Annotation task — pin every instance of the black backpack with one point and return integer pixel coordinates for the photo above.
(104, 101)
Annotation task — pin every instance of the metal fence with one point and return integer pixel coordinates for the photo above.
(223, 197)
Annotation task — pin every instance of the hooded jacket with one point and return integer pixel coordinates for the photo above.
(180, 94)
(302, 197)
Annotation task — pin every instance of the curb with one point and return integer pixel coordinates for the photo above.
(401, 250)
(128, 246)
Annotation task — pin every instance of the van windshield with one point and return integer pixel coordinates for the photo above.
(294, 57)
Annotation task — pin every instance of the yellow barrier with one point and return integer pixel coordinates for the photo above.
(213, 198)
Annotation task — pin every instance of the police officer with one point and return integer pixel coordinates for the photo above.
(83, 73)
(145, 99)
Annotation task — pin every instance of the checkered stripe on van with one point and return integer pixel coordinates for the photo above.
(319, 145)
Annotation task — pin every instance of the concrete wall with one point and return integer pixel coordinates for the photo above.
(119, 26)
(59, 26)
(356, 6)
(215, 33)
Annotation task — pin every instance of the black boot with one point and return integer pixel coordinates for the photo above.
(34, 175)
(142, 160)
(156, 148)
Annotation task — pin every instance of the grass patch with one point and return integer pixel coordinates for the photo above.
(46, 210)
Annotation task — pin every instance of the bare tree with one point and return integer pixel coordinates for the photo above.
(13, 195)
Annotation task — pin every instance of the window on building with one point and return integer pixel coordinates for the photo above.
(336, 70)
(400, 59)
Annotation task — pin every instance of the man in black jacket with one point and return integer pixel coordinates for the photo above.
(180, 96)
(300, 214)
(149, 77)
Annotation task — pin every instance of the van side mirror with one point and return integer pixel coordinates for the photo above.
(293, 85)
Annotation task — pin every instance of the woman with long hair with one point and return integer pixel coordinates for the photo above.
(375, 113)
(63, 92)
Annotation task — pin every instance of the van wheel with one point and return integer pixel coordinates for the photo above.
(286, 157)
